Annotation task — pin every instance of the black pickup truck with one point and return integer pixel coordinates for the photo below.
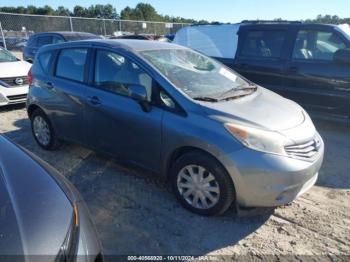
(308, 63)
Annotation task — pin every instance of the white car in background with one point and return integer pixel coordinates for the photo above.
(13, 79)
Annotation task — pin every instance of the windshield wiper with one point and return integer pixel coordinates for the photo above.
(225, 96)
(205, 98)
(250, 87)
(245, 88)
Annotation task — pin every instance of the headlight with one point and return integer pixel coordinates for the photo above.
(258, 139)
(2, 83)
(68, 250)
(2, 98)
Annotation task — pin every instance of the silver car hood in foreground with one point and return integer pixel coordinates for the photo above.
(35, 213)
(263, 108)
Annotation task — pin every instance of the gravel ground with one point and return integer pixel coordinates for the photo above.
(135, 213)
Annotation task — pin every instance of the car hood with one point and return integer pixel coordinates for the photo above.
(263, 108)
(13, 69)
(35, 212)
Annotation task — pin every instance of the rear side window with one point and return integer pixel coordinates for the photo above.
(267, 44)
(44, 40)
(44, 59)
(71, 64)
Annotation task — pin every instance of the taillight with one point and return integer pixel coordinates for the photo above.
(30, 77)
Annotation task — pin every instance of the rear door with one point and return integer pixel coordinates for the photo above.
(66, 105)
(261, 55)
(312, 78)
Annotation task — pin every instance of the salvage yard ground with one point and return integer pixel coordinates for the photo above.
(136, 213)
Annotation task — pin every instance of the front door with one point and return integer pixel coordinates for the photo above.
(115, 123)
(313, 79)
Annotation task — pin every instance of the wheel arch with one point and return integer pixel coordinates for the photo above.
(226, 178)
(178, 152)
(32, 108)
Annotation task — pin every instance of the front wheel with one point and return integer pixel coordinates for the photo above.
(201, 184)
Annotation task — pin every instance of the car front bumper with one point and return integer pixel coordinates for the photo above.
(268, 180)
(13, 95)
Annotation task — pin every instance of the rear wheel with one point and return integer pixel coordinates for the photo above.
(201, 184)
(43, 131)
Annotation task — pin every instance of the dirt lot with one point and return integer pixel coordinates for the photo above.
(135, 213)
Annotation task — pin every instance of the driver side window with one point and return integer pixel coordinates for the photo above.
(317, 45)
(114, 73)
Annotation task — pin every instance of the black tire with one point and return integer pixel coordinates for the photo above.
(227, 191)
(54, 142)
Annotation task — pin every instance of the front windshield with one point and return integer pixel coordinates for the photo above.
(195, 74)
(6, 56)
(345, 28)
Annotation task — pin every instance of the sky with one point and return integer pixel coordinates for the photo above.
(218, 10)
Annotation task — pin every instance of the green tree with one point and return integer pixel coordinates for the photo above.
(62, 11)
(126, 13)
(329, 19)
(21, 10)
(46, 10)
(146, 12)
(31, 9)
(79, 11)
(142, 11)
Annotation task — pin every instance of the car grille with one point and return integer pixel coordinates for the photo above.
(17, 97)
(14, 81)
(304, 150)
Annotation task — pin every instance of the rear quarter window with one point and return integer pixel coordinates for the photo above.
(44, 61)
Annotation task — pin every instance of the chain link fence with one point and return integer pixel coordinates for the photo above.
(16, 28)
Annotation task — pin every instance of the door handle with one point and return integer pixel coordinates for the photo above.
(293, 69)
(49, 85)
(94, 100)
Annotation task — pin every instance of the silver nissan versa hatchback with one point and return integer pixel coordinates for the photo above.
(219, 138)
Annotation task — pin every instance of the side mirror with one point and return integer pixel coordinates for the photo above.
(139, 93)
(342, 56)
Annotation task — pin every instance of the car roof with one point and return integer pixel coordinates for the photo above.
(62, 33)
(264, 24)
(298, 25)
(130, 44)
